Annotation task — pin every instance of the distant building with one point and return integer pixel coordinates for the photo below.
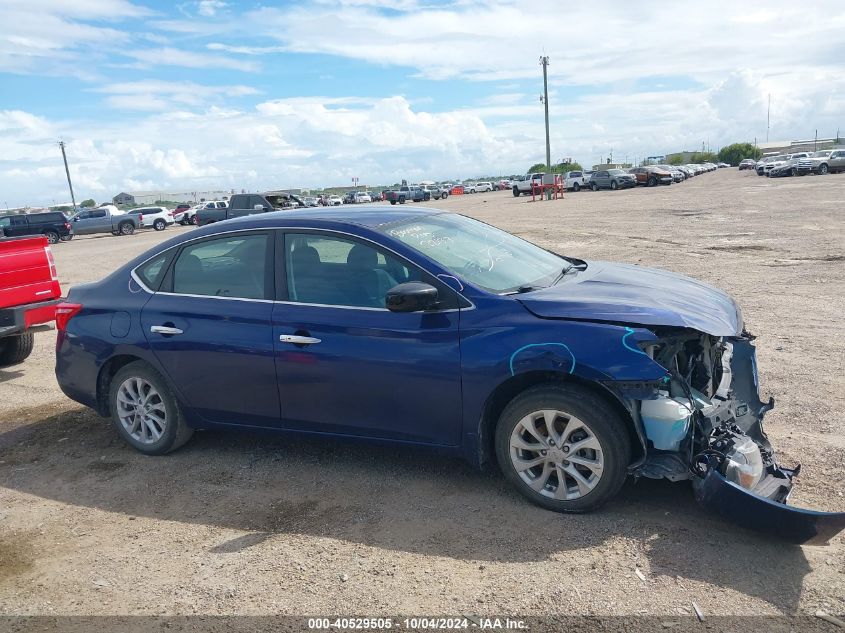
(151, 197)
(602, 166)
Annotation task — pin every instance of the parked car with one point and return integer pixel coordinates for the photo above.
(747, 163)
(435, 192)
(576, 180)
(502, 185)
(208, 207)
(765, 165)
(650, 176)
(525, 184)
(310, 201)
(152, 217)
(29, 294)
(404, 194)
(571, 374)
(612, 179)
(478, 187)
(178, 213)
(52, 224)
(362, 197)
(334, 201)
(105, 219)
(242, 204)
(456, 190)
(823, 162)
(677, 174)
(788, 167)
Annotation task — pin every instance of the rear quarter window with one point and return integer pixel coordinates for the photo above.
(152, 271)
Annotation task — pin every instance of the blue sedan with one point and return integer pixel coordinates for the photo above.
(427, 328)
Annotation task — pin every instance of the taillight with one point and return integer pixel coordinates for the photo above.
(64, 313)
(140, 218)
(67, 225)
(53, 274)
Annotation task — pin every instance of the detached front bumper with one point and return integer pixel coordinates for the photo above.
(738, 505)
(763, 507)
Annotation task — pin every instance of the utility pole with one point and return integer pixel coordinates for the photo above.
(544, 61)
(768, 117)
(816, 141)
(67, 171)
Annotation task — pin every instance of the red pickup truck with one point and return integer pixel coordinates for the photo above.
(29, 294)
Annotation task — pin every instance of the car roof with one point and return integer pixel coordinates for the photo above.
(367, 216)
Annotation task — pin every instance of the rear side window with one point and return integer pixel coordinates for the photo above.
(152, 272)
(234, 266)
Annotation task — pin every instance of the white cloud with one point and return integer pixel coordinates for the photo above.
(156, 95)
(169, 56)
(209, 8)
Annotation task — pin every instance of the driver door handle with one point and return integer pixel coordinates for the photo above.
(298, 340)
(165, 329)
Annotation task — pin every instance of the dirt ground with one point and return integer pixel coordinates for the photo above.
(257, 524)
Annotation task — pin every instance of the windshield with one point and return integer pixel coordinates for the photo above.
(822, 154)
(615, 172)
(479, 253)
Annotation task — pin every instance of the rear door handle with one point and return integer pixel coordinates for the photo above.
(298, 340)
(165, 329)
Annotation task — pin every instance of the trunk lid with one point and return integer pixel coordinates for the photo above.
(27, 272)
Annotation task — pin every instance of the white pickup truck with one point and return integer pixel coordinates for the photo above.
(522, 185)
(577, 180)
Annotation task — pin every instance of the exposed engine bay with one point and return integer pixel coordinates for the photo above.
(704, 422)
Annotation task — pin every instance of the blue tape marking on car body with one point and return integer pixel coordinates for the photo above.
(525, 347)
(625, 343)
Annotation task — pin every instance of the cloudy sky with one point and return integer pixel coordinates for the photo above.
(205, 94)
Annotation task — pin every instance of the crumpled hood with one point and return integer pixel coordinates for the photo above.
(624, 293)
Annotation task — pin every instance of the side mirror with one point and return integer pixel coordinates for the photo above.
(412, 296)
(258, 207)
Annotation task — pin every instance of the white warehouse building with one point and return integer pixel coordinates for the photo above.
(151, 197)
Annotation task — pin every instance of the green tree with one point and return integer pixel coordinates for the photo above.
(677, 159)
(735, 152)
(703, 157)
(538, 167)
(88, 203)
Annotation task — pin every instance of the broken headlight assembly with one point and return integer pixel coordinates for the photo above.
(707, 418)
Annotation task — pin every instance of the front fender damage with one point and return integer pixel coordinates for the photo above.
(728, 456)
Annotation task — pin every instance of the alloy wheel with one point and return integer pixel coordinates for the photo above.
(141, 410)
(556, 454)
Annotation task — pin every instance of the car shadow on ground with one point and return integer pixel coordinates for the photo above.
(7, 373)
(388, 497)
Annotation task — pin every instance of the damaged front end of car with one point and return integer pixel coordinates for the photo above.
(704, 422)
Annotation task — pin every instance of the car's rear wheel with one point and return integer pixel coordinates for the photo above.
(576, 187)
(652, 181)
(444, 195)
(126, 228)
(67, 238)
(159, 225)
(52, 237)
(594, 186)
(515, 192)
(393, 202)
(823, 169)
(563, 448)
(613, 185)
(145, 412)
(194, 220)
(15, 349)
(401, 200)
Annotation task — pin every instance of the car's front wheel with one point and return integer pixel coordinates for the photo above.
(613, 185)
(145, 412)
(52, 237)
(515, 192)
(159, 225)
(563, 447)
(823, 169)
(576, 187)
(594, 186)
(126, 228)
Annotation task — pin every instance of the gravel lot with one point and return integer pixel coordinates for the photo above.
(256, 524)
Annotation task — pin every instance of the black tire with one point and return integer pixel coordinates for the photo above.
(401, 200)
(393, 202)
(823, 169)
(67, 238)
(613, 185)
(652, 181)
(52, 237)
(516, 192)
(126, 228)
(176, 431)
(607, 427)
(576, 187)
(159, 225)
(15, 349)
(194, 220)
(594, 186)
(444, 195)
(427, 197)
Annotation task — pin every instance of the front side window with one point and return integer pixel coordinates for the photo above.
(479, 253)
(330, 270)
(99, 213)
(5, 222)
(234, 266)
